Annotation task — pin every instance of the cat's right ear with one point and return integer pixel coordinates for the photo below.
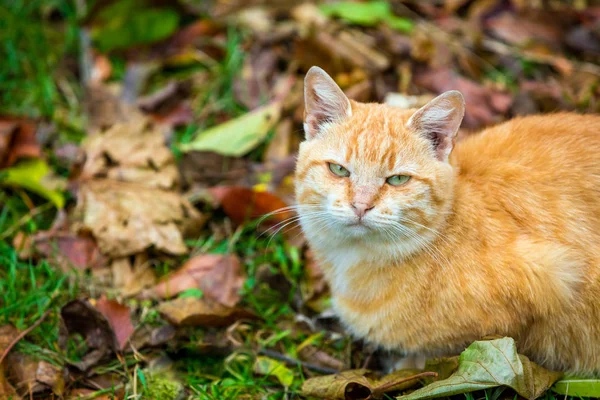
(324, 102)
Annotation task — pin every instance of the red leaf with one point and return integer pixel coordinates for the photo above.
(242, 204)
(119, 318)
(218, 276)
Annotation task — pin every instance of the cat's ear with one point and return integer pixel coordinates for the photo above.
(324, 102)
(439, 121)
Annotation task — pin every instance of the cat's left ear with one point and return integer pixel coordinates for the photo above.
(324, 102)
(439, 121)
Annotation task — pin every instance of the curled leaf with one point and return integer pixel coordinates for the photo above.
(488, 364)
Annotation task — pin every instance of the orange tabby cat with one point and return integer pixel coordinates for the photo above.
(427, 248)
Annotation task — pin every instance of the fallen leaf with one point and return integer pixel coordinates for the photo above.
(257, 79)
(119, 318)
(81, 317)
(66, 250)
(17, 140)
(484, 106)
(131, 278)
(132, 151)
(243, 204)
(269, 367)
(7, 391)
(522, 29)
(8, 334)
(367, 14)
(577, 387)
(487, 364)
(314, 355)
(190, 311)
(36, 176)
(104, 108)
(127, 218)
(359, 384)
(240, 135)
(218, 276)
(152, 336)
(204, 168)
(35, 376)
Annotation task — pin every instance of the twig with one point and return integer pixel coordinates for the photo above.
(295, 363)
(23, 334)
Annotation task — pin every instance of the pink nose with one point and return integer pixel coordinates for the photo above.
(360, 209)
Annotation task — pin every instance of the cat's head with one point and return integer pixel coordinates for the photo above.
(373, 174)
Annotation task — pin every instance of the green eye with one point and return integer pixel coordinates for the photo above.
(338, 170)
(398, 180)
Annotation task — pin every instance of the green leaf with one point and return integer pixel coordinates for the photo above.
(487, 364)
(127, 23)
(578, 387)
(34, 175)
(238, 136)
(367, 14)
(400, 24)
(268, 366)
(193, 292)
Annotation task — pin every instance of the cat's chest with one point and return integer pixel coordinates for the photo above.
(375, 303)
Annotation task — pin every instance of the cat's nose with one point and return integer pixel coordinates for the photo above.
(360, 209)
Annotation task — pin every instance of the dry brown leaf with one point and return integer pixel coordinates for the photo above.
(7, 391)
(314, 355)
(132, 151)
(81, 317)
(484, 106)
(64, 249)
(191, 311)
(35, 376)
(218, 276)
(8, 334)
(127, 218)
(359, 384)
(131, 279)
(152, 337)
(119, 318)
(205, 168)
(103, 107)
(17, 140)
(521, 29)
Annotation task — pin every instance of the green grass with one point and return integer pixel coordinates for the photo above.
(35, 37)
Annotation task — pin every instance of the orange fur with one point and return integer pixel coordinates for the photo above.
(502, 239)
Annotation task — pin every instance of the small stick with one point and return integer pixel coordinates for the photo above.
(23, 334)
(291, 361)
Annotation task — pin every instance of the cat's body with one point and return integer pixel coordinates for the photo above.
(501, 238)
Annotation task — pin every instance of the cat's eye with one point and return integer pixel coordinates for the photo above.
(398, 180)
(338, 170)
